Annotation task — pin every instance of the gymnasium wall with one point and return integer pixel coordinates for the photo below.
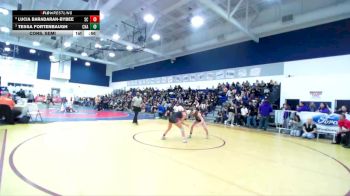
(330, 75)
(93, 75)
(320, 41)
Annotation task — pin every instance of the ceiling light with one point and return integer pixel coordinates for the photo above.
(87, 64)
(4, 11)
(5, 29)
(197, 21)
(67, 44)
(111, 54)
(75, 59)
(84, 54)
(52, 58)
(97, 45)
(32, 51)
(35, 43)
(156, 37)
(116, 36)
(129, 48)
(7, 49)
(149, 18)
(7, 43)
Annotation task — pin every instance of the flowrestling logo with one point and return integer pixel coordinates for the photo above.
(325, 119)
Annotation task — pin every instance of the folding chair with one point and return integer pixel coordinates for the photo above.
(33, 110)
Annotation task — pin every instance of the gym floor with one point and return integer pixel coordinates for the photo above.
(119, 158)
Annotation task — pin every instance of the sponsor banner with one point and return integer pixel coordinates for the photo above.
(170, 79)
(220, 75)
(242, 73)
(164, 80)
(255, 71)
(193, 77)
(325, 122)
(186, 78)
(211, 75)
(229, 74)
(202, 76)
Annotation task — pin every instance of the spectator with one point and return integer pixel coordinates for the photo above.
(295, 126)
(161, 110)
(252, 114)
(303, 108)
(286, 115)
(264, 111)
(309, 129)
(244, 114)
(219, 118)
(30, 97)
(342, 110)
(231, 114)
(11, 117)
(312, 107)
(343, 135)
(324, 109)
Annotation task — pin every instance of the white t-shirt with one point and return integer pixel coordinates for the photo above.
(178, 108)
(244, 111)
(137, 101)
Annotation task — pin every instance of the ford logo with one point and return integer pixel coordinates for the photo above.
(324, 119)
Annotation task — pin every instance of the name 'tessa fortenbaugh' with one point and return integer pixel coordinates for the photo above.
(44, 19)
(42, 27)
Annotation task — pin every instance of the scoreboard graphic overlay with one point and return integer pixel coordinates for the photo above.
(84, 23)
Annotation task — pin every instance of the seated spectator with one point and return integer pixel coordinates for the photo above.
(295, 126)
(343, 135)
(324, 109)
(309, 129)
(14, 114)
(219, 118)
(312, 107)
(264, 111)
(303, 108)
(342, 110)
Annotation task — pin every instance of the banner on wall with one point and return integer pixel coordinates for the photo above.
(211, 75)
(220, 75)
(186, 78)
(164, 80)
(242, 73)
(316, 94)
(325, 122)
(255, 72)
(193, 77)
(170, 79)
(229, 74)
(202, 76)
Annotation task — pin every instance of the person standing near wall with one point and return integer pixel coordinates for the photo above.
(264, 111)
(136, 104)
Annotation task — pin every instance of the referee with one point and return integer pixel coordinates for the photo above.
(136, 104)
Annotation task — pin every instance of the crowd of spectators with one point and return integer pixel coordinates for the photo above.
(157, 101)
(247, 103)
